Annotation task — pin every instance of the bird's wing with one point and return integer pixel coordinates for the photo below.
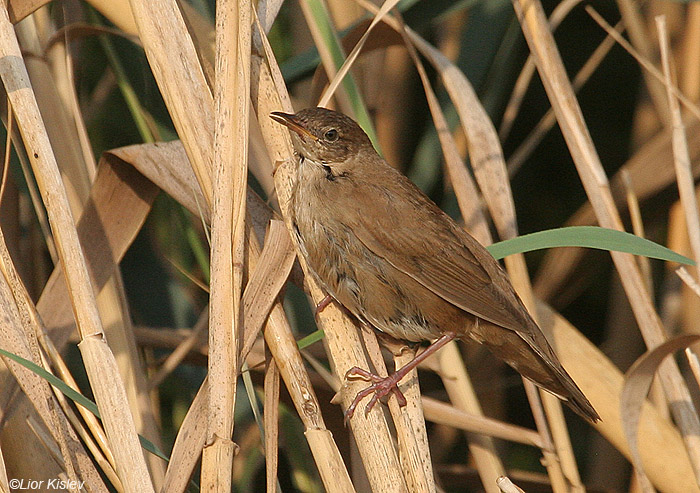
(432, 249)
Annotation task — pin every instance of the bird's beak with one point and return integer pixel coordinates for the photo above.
(292, 123)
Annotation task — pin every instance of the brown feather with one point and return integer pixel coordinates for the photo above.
(387, 253)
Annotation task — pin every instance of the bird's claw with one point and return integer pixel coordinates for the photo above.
(381, 387)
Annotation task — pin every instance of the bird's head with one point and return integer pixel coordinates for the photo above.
(324, 136)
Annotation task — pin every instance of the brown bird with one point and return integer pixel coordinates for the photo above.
(377, 245)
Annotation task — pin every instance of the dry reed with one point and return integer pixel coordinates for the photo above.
(219, 82)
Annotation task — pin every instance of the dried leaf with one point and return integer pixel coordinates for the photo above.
(268, 278)
(637, 382)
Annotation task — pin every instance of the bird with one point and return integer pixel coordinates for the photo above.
(378, 246)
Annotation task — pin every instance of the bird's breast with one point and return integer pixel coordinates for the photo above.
(365, 283)
(328, 249)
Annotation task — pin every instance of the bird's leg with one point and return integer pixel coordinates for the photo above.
(327, 300)
(384, 386)
(321, 305)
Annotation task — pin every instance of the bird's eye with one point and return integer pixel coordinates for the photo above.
(331, 135)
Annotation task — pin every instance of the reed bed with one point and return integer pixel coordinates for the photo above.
(146, 262)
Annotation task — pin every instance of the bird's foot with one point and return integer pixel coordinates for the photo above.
(381, 387)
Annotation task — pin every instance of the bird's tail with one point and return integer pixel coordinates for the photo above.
(532, 356)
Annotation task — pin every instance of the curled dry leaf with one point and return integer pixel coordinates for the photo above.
(637, 382)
